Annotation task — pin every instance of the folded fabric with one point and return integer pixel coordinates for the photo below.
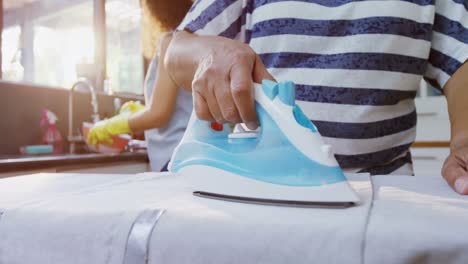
(416, 220)
(95, 225)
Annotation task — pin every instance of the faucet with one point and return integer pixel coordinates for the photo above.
(73, 139)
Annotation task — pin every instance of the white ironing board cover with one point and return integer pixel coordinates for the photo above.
(77, 218)
(416, 220)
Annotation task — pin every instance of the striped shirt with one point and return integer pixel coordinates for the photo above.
(357, 64)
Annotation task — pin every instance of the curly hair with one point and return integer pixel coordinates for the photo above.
(168, 13)
(160, 16)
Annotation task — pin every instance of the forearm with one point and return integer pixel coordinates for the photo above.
(143, 120)
(161, 104)
(456, 92)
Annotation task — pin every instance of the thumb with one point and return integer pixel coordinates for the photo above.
(455, 174)
(260, 72)
(131, 107)
(461, 185)
(92, 137)
(127, 107)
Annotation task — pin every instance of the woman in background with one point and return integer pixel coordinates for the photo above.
(168, 109)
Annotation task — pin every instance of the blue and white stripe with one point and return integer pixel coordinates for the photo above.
(357, 63)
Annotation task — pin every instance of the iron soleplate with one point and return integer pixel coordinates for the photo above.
(273, 202)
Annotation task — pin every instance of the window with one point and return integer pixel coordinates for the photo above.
(124, 48)
(12, 69)
(62, 43)
(53, 43)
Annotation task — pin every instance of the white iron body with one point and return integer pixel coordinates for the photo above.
(286, 163)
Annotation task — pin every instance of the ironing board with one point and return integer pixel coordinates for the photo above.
(153, 218)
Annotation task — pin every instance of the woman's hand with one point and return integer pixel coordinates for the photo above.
(104, 130)
(221, 73)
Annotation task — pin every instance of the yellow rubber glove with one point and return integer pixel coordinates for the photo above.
(131, 107)
(103, 131)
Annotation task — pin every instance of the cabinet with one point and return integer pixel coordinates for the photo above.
(429, 161)
(433, 120)
(433, 132)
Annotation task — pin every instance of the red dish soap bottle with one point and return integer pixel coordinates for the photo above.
(51, 134)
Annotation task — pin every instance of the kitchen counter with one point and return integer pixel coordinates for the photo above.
(27, 163)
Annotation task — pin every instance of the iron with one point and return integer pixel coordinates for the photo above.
(285, 162)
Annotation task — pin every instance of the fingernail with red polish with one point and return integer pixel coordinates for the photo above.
(461, 185)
